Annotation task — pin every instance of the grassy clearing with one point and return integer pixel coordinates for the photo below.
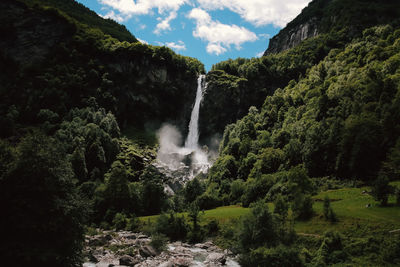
(355, 219)
(349, 204)
(221, 214)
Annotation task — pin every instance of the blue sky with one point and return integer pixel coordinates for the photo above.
(209, 30)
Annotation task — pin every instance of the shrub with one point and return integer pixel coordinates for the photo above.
(381, 189)
(277, 256)
(196, 233)
(208, 201)
(329, 214)
(133, 224)
(212, 227)
(331, 250)
(302, 206)
(397, 192)
(258, 228)
(172, 226)
(390, 250)
(158, 241)
(120, 221)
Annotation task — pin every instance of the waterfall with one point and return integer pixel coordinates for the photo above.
(193, 135)
(181, 164)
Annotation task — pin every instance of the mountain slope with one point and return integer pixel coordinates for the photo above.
(86, 16)
(335, 24)
(325, 16)
(52, 61)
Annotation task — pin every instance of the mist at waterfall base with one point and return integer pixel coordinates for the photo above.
(194, 158)
(182, 163)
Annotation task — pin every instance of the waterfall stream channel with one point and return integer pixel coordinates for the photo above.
(182, 163)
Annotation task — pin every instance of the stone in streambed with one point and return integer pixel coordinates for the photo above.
(147, 251)
(128, 260)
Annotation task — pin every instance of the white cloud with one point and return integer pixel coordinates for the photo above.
(215, 49)
(260, 54)
(201, 16)
(219, 36)
(142, 41)
(164, 24)
(264, 35)
(178, 46)
(143, 7)
(260, 12)
(128, 8)
(116, 17)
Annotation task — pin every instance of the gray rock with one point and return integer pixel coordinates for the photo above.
(216, 258)
(166, 264)
(147, 251)
(293, 36)
(128, 260)
(181, 261)
(99, 240)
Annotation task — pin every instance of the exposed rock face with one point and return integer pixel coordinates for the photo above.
(147, 85)
(133, 249)
(293, 37)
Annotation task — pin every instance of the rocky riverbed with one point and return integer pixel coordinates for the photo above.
(123, 248)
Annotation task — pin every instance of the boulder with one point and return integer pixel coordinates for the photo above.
(181, 261)
(128, 260)
(99, 240)
(216, 258)
(166, 264)
(147, 251)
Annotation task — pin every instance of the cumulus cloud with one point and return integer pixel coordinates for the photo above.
(264, 35)
(260, 54)
(215, 49)
(176, 46)
(164, 24)
(117, 17)
(260, 12)
(142, 41)
(128, 8)
(143, 7)
(219, 36)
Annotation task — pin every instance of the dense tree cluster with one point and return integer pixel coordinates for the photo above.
(247, 82)
(138, 83)
(65, 96)
(341, 121)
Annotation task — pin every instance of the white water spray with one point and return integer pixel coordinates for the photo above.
(181, 164)
(193, 135)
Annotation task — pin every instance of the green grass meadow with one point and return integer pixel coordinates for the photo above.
(349, 204)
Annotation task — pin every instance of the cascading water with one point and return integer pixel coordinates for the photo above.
(193, 135)
(181, 164)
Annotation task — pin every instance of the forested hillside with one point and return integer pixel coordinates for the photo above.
(247, 82)
(69, 83)
(340, 120)
(86, 16)
(324, 115)
(330, 16)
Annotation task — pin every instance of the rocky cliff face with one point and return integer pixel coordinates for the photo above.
(293, 36)
(331, 16)
(52, 53)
